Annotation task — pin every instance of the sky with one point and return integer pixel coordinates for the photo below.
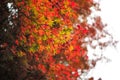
(110, 14)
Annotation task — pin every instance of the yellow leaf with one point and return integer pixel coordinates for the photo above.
(44, 37)
(20, 54)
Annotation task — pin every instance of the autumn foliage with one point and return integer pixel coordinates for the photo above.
(48, 42)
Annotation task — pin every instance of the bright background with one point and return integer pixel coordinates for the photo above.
(110, 12)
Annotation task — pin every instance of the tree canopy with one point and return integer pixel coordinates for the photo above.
(47, 39)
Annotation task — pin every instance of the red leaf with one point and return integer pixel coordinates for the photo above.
(16, 42)
(42, 68)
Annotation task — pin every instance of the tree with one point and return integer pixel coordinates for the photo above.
(45, 39)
